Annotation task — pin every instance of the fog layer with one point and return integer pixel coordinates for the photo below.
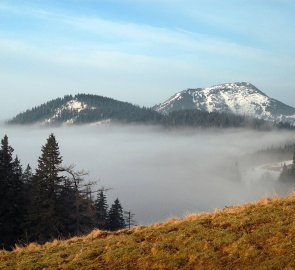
(159, 173)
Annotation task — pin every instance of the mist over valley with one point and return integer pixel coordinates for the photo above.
(159, 173)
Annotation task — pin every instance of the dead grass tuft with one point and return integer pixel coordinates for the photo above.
(32, 247)
(94, 235)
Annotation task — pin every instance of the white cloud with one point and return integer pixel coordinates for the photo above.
(145, 39)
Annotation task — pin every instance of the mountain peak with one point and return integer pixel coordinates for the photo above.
(237, 98)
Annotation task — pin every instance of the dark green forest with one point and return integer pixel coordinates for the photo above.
(54, 201)
(196, 118)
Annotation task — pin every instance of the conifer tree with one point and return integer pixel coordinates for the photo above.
(27, 175)
(116, 217)
(6, 161)
(16, 196)
(46, 190)
(27, 195)
(11, 196)
(5, 173)
(101, 208)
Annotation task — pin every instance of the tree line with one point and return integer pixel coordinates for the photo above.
(52, 202)
(198, 118)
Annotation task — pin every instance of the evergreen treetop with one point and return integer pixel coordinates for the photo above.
(116, 219)
(101, 207)
(46, 190)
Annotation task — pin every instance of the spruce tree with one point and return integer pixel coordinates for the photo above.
(11, 196)
(27, 175)
(116, 217)
(17, 198)
(46, 190)
(27, 195)
(101, 208)
(5, 173)
(6, 161)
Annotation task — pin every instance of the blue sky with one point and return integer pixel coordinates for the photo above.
(142, 51)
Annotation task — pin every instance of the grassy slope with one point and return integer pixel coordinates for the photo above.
(253, 236)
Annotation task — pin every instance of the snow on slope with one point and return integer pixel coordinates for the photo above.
(238, 98)
(72, 105)
(75, 105)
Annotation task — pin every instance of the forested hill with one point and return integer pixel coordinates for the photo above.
(85, 108)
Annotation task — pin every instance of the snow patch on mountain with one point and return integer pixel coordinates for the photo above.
(75, 105)
(169, 102)
(72, 105)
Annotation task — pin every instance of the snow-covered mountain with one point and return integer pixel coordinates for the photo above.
(238, 98)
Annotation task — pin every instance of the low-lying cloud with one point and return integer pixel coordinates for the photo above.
(158, 173)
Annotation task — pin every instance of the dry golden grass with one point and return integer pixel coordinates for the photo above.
(250, 236)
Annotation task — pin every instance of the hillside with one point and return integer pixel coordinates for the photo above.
(252, 236)
(240, 98)
(84, 108)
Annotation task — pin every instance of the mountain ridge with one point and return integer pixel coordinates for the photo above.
(238, 98)
(201, 107)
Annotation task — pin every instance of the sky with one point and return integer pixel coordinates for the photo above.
(142, 51)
